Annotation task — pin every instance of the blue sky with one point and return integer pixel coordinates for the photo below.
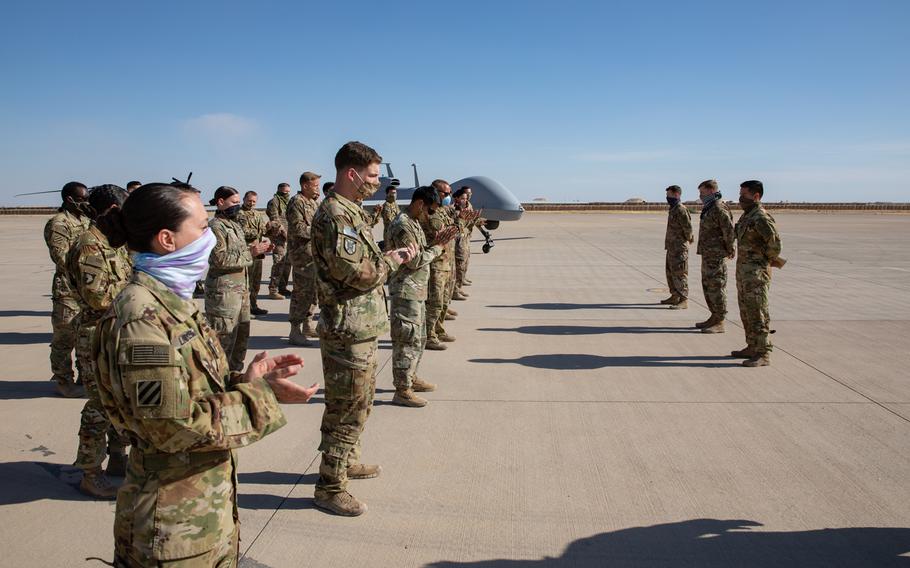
(571, 101)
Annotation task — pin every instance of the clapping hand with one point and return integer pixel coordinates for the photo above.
(277, 372)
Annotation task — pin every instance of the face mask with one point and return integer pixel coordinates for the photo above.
(672, 201)
(366, 189)
(447, 200)
(746, 203)
(231, 212)
(181, 269)
(390, 198)
(247, 207)
(711, 197)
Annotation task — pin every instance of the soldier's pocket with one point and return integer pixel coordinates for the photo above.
(404, 329)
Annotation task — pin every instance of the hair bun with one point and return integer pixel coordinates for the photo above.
(113, 226)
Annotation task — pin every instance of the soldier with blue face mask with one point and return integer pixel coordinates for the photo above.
(164, 381)
(676, 243)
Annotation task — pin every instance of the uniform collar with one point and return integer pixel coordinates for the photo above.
(181, 309)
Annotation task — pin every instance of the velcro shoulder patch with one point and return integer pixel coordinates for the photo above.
(148, 393)
(146, 353)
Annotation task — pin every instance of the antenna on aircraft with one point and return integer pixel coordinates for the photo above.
(416, 182)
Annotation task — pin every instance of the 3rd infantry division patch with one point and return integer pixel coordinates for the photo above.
(148, 393)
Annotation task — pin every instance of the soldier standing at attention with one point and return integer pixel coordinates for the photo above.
(97, 272)
(676, 243)
(301, 209)
(465, 222)
(227, 299)
(758, 249)
(164, 380)
(389, 212)
(715, 245)
(60, 233)
(408, 288)
(277, 209)
(440, 270)
(254, 225)
(350, 271)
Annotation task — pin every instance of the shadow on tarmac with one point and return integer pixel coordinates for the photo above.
(712, 543)
(16, 313)
(24, 338)
(278, 478)
(28, 481)
(584, 361)
(265, 501)
(23, 390)
(651, 306)
(588, 330)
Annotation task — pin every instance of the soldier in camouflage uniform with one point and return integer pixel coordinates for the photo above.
(301, 209)
(758, 249)
(408, 288)
(255, 226)
(442, 277)
(466, 221)
(351, 271)
(60, 233)
(715, 245)
(278, 232)
(676, 243)
(164, 380)
(227, 299)
(97, 272)
(389, 211)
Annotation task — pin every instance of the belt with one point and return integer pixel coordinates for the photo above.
(162, 461)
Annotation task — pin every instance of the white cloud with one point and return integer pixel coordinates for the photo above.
(221, 126)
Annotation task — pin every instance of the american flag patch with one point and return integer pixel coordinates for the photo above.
(148, 393)
(151, 355)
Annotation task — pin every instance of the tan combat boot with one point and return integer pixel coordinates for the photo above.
(680, 305)
(364, 471)
(466, 282)
(95, 484)
(67, 388)
(451, 312)
(420, 385)
(447, 338)
(673, 299)
(407, 398)
(343, 503)
(274, 295)
(297, 337)
(758, 360)
(746, 353)
(449, 317)
(116, 464)
(459, 295)
(309, 329)
(434, 344)
(716, 327)
(707, 323)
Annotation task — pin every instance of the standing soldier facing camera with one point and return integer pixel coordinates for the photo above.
(301, 209)
(254, 225)
(277, 209)
(715, 245)
(351, 271)
(676, 243)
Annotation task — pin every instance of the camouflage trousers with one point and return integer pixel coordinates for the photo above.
(224, 555)
(461, 268)
(677, 268)
(254, 281)
(281, 268)
(714, 284)
(752, 286)
(303, 295)
(409, 334)
(63, 317)
(96, 434)
(438, 298)
(349, 373)
(227, 309)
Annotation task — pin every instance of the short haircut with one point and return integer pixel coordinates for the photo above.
(102, 197)
(709, 184)
(133, 184)
(389, 188)
(223, 192)
(754, 186)
(71, 189)
(249, 193)
(283, 184)
(327, 187)
(426, 194)
(674, 189)
(460, 192)
(356, 155)
(439, 184)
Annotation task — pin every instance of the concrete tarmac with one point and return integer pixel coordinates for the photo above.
(577, 422)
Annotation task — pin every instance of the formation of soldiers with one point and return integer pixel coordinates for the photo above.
(753, 241)
(168, 379)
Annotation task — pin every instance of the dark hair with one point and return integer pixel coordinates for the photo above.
(327, 187)
(71, 189)
(427, 194)
(389, 188)
(101, 197)
(709, 183)
(674, 189)
(356, 155)
(223, 192)
(460, 192)
(148, 210)
(283, 184)
(133, 184)
(439, 184)
(754, 186)
(249, 193)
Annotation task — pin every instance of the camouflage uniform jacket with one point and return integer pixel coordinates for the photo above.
(231, 254)
(444, 217)
(715, 232)
(350, 272)
(60, 233)
(97, 272)
(277, 209)
(254, 225)
(163, 380)
(679, 228)
(390, 212)
(412, 278)
(758, 242)
(300, 214)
